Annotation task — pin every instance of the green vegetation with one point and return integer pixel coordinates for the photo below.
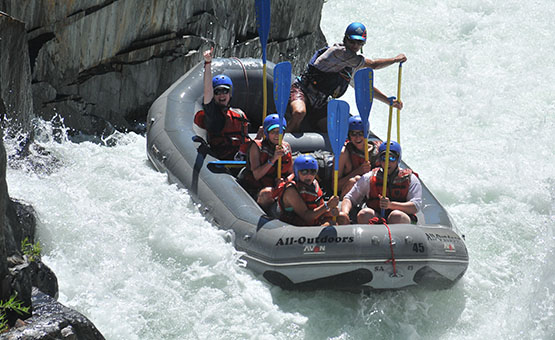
(31, 250)
(11, 304)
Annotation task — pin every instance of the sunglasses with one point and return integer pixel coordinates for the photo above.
(221, 91)
(392, 158)
(305, 172)
(357, 42)
(356, 133)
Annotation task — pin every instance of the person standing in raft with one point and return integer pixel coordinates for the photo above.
(226, 128)
(352, 162)
(403, 196)
(260, 177)
(328, 74)
(301, 199)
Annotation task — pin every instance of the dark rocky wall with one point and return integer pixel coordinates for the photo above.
(102, 63)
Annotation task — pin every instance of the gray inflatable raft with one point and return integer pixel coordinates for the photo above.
(431, 253)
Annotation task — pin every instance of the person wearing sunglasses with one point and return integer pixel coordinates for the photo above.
(225, 128)
(260, 177)
(403, 196)
(328, 75)
(301, 200)
(352, 162)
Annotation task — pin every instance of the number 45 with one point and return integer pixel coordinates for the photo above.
(418, 247)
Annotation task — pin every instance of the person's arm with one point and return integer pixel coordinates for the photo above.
(259, 170)
(208, 90)
(291, 198)
(379, 95)
(356, 194)
(377, 64)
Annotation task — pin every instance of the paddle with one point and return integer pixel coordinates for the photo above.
(228, 164)
(399, 98)
(338, 129)
(386, 165)
(364, 93)
(282, 86)
(263, 25)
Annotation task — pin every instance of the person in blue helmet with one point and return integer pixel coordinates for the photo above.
(352, 161)
(301, 200)
(260, 177)
(328, 75)
(403, 196)
(225, 128)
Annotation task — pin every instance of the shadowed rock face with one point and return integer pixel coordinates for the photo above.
(100, 64)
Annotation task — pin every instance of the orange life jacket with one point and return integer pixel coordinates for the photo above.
(397, 187)
(267, 150)
(233, 137)
(312, 195)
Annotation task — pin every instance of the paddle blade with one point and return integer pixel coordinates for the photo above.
(262, 8)
(338, 126)
(282, 86)
(364, 93)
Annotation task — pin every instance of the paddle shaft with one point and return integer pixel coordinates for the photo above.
(386, 165)
(264, 91)
(279, 159)
(399, 98)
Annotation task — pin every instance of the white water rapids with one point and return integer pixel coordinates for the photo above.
(133, 254)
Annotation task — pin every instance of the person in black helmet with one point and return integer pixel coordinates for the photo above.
(328, 74)
(226, 128)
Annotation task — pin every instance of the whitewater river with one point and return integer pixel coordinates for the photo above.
(133, 254)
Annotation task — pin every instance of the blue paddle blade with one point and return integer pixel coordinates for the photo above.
(282, 86)
(364, 93)
(262, 8)
(338, 126)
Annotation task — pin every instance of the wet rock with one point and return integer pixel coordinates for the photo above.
(52, 320)
(97, 61)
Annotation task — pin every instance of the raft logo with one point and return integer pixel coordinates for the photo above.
(314, 250)
(303, 240)
(449, 248)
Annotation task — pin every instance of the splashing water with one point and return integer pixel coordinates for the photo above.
(133, 253)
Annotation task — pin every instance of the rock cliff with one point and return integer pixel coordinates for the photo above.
(99, 64)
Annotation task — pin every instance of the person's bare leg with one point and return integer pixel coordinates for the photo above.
(398, 217)
(298, 112)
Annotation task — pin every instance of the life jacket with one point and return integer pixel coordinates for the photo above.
(233, 137)
(356, 156)
(312, 196)
(397, 187)
(267, 152)
(333, 84)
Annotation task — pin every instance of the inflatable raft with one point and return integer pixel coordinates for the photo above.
(431, 253)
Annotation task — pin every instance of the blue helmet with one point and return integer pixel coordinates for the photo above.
(355, 123)
(221, 80)
(356, 31)
(394, 147)
(304, 162)
(271, 122)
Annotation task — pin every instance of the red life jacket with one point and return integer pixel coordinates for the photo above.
(312, 195)
(267, 150)
(397, 187)
(356, 156)
(232, 138)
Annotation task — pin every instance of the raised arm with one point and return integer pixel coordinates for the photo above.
(208, 90)
(377, 64)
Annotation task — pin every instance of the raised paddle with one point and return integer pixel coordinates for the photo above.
(386, 165)
(399, 98)
(263, 25)
(364, 93)
(282, 86)
(338, 128)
